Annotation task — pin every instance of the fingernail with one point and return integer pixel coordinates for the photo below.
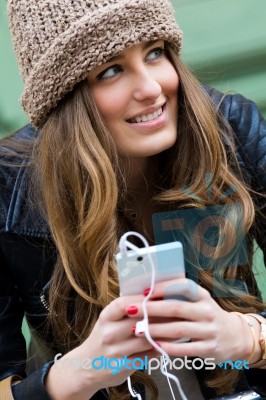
(133, 329)
(131, 310)
(146, 291)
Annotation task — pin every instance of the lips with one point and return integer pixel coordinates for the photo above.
(149, 116)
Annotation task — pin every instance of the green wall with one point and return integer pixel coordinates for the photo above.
(224, 44)
(11, 114)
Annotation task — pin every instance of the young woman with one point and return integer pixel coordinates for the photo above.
(124, 133)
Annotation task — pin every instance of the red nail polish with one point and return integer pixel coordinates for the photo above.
(131, 310)
(133, 330)
(146, 291)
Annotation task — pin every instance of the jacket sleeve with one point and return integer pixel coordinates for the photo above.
(249, 128)
(250, 138)
(13, 346)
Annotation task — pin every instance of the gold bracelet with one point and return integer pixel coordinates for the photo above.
(262, 341)
(254, 339)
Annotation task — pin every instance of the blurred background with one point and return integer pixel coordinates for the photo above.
(224, 44)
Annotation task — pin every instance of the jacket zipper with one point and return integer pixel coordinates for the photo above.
(45, 303)
(47, 307)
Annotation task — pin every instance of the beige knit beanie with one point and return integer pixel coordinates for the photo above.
(57, 42)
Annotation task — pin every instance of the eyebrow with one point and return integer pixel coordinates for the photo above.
(146, 45)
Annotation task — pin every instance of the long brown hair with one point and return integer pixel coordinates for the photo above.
(83, 187)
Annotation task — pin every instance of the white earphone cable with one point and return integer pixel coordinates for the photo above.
(143, 326)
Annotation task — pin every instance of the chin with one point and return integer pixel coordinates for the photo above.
(156, 150)
(164, 146)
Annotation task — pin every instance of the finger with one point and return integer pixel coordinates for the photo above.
(115, 332)
(178, 330)
(199, 348)
(144, 355)
(116, 310)
(179, 289)
(131, 346)
(176, 309)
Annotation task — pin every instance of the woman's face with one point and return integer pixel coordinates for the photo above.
(136, 96)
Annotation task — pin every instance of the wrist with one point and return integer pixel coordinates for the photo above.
(66, 381)
(261, 361)
(250, 349)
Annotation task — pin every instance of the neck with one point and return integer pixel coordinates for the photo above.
(141, 175)
(141, 178)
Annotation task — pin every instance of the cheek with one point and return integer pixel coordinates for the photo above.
(109, 104)
(171, 84)
(102, 101)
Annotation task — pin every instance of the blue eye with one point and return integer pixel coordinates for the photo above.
(109, 72)
(155, 53)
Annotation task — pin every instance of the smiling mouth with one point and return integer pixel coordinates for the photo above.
(148, 117)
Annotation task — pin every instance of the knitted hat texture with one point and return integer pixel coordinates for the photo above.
(57, 42)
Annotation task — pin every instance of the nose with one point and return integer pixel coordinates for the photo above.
(146, 87)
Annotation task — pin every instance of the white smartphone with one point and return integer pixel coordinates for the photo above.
(135, 271)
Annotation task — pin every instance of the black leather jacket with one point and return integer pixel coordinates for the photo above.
(27, 253)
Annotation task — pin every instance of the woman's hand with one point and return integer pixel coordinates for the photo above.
(112, 337)
(213, 331)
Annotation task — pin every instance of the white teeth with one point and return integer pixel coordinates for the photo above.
(149, 117)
